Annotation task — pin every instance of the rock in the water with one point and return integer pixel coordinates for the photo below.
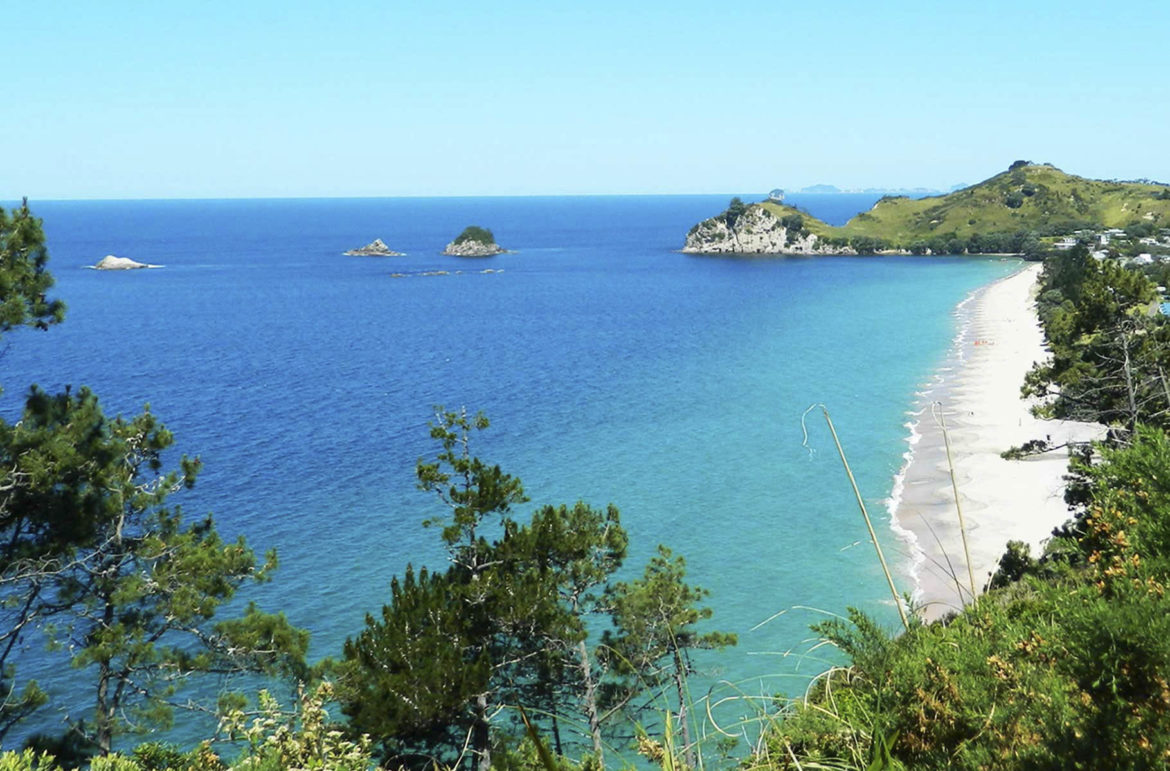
(110, 262)
(472, 249)
(374, 249)
(474, 241)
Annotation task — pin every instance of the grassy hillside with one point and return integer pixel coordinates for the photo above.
(1034, 197)
(811, 224)
(1035, 200)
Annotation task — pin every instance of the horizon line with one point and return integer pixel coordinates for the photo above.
(33, 199)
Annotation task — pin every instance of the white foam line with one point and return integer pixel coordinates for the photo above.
(951, 363)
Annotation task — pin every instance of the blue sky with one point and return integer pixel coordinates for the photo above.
(229, 99)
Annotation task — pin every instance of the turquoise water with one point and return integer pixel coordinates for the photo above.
(613, 369)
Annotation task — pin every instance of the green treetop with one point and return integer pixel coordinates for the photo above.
(24, 278)
(655, 629)
(476, 234)
(454, 655)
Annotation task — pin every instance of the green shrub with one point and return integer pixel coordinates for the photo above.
(735, 210)
(476, 234)
(1065, 663)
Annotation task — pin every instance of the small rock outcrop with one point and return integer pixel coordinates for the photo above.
(376, 248)
(754, 231)
(474, 241)
(110, 262)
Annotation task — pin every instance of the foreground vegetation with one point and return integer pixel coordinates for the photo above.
(526, 651)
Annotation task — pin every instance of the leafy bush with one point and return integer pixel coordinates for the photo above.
(307, 738)
(867, 244)
(793, 222)
(1064, 663)
(735, 210)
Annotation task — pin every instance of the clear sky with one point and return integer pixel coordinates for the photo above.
(443, 97)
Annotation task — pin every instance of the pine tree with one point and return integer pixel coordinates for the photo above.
(507, 624)
(655, 620)
(502, 627)
(24, 549)
(479, 618)
(137, 596)
(89, 543)
(583, 548)
(24, 276)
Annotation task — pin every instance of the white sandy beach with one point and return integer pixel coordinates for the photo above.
(980, 400)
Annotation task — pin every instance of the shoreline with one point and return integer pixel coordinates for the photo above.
(977, 392)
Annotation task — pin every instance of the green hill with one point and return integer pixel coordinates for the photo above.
(1013, 208)
(1039, 198)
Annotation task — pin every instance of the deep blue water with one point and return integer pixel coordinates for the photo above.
(613, 369)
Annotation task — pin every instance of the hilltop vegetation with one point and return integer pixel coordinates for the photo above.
(474, 241)
(476, 235)
(1034, 197)
(1009, 212)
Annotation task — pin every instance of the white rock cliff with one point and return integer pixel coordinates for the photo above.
(110, 262)
(756, 231)
(471, 248)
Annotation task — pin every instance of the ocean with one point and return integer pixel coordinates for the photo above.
(613, 369)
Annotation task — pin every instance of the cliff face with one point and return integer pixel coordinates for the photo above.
(473, 249)
(756, 231)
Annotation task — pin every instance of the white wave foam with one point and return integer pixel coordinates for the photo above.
(951, 364)
(918, 557)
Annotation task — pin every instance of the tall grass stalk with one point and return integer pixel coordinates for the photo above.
(865, 515)
(936, 408)
(542, 752)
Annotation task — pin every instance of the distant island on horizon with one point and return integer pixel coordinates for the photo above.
(822, 189)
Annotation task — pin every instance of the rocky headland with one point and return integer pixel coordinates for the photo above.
(376, 248)
(756, 230)
(474, 241)
(1022, 210)
(110, 262)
